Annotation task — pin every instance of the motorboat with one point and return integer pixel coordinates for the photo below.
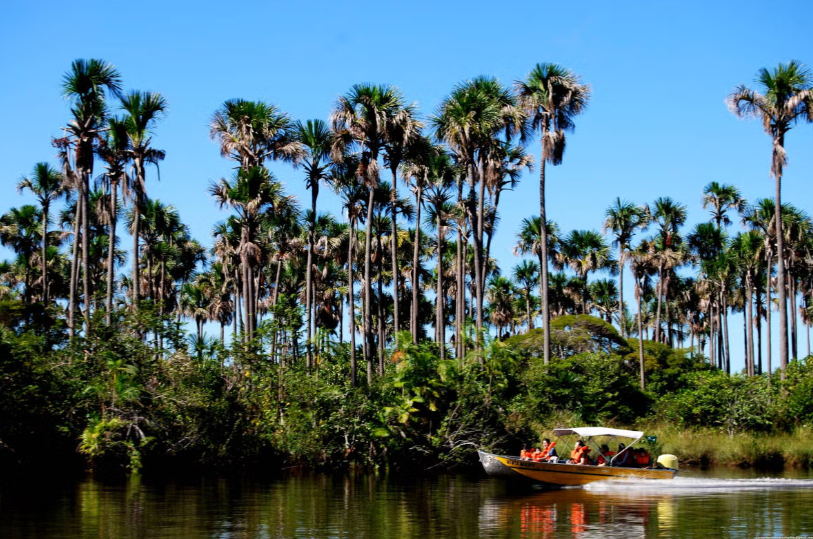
(556, 472)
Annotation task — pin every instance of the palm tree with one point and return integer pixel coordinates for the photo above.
(623, 219)
(798, 229)
(761, 217)
(86, 85)
(527, 274)
(709, 245)
(746, 249)
(195, 304)
(471, 121)
(20, 231)
(786, 98)
(530, 242)
(361, 118)
(552, 97)
(403, 137)
(604, 296)
(47, 184)
(670, 216)
(440, 215)
(642, 268)
(428, 167)
(316, 140)
(251, 132)
(114, 150)
(585, 251)
(143, 109)
(501, 295)
(721, 198)
(250, 193)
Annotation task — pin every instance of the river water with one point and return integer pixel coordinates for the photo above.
(720, 503)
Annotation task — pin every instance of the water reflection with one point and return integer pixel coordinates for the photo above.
(367, 506)
(682, 508)
(577, 513)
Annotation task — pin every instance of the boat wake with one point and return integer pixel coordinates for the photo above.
(692, 485)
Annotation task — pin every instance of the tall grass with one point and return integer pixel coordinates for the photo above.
(711, 447)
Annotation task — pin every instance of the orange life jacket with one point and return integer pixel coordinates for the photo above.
(547, 451)
(642, 459)
(537, 455)
(579, 453)
(603, 459)
(523, 454)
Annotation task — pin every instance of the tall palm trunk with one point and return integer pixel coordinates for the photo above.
(111, 248)
(439, 321)
(246, 301)
(758, 325)
(727, 336)
(394, 250)
(461, 281)
(480, 261)
(780, 272)
(712, 349)
(660, 301)
(368, 292)
(749, 327)
(238, 294)
(274, 300)
(45, 208)
(415, 262)
(474, 214)
(621, 324)
(792, 314)
(136, 275)
(380, 306)
(768, 310)
(638, 294)
(87, 170)
(351, 301)
(543, 257)
(161, 299)
(139, 169)
(491, 230)
(72, 301)
(309, 275)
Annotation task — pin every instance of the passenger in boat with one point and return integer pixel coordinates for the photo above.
(549, 451)
(523, 453)
(579, 454)
(623, 459)
(604, 455)
(536, 456)
(642, 458)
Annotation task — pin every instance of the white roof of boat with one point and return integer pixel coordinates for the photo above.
(599, 431)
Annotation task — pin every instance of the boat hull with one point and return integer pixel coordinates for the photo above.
(562, 475)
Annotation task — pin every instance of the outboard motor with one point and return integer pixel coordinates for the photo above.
(668, 461)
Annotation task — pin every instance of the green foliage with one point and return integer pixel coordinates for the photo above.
(798, 385)
(570, 335)
(732, 404)
(665, 367)
(123, 405)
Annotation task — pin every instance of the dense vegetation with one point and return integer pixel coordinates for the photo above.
(99, 368)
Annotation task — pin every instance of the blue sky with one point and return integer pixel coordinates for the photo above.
(657, 124)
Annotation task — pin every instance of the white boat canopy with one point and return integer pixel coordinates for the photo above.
(599, 431)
